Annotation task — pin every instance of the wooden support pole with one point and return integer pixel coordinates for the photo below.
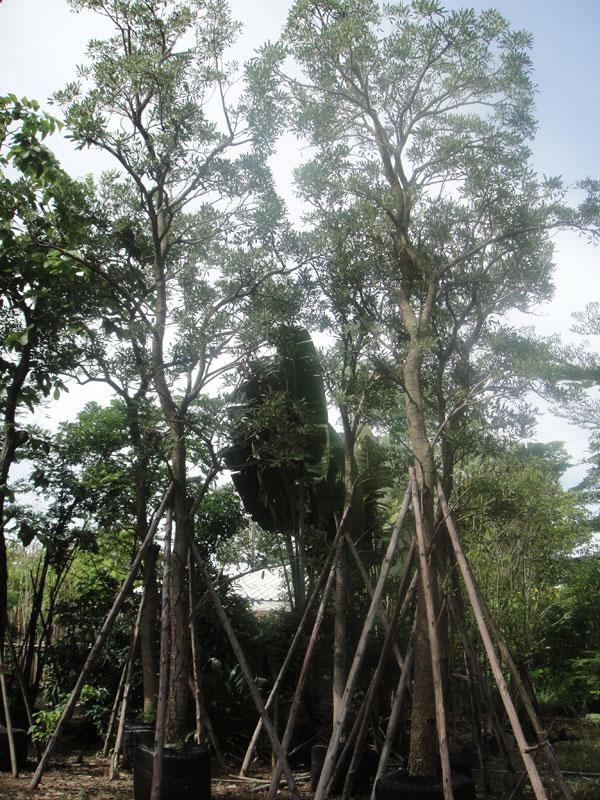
(480, 681)
(10, 734)
(457, 615)
(196, 671)
(540, 733)
(465, 569)
(392, 727)
(405, 596)
(100, 640)
(434, 645)
(163, 670)
(369, 587)
(338, 725)
(250, 682)
(113, 711)
(295, 706)
(21, 681)
(297, 636)
(113, 771)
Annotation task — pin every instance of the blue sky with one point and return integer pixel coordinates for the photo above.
(41, 41)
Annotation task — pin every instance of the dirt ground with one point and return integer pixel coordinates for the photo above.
(84, 776)
(80, 774)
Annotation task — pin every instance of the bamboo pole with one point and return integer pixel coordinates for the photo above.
(539, 731)
(405, 596)
(196, 671)
(100, 640)
(528, 761)
(457, 614)
(338, 726)
(369, 586)
(163, 673)
(434, 646)
(21, 682)
(481, 683)
(295, 706)
(297, 636)
(114, 762)
(10, 734)
(113, 711)
(250, 682)
(390, 733)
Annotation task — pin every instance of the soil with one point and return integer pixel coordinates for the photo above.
(83, 775)
(80, 774)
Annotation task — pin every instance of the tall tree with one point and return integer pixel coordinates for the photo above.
(48, 297)
(426, 116)
(157, 97)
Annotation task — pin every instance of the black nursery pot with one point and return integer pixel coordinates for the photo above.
(364, 775)
(398, 785)
(185, 776)
(133, 733)
(20, 736)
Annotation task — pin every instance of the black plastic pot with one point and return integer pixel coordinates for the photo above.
(134, 732)
(364, 775)
(20, 746)
(186, 773)
(398, 785)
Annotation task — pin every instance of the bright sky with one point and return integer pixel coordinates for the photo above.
(41, 41)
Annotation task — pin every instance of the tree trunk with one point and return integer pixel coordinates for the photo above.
(12, 438)
(424, 756)
(340, 660)
(179, 694)
(148, 637)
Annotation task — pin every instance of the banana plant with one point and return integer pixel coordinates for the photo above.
(287, 462)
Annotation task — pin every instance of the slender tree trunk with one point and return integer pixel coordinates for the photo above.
(179, 696)
(148, 637)
(11, 440)
(340, 658)
(340, 633)
(149, 628)
(180, 671)
(424, 756)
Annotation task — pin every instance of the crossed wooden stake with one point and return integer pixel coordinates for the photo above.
(489, 632)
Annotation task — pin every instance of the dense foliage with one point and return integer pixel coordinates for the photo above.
(178, 281)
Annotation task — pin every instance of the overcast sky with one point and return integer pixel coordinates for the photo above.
(41, 42)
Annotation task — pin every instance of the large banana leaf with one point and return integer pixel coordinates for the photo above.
(279, 431)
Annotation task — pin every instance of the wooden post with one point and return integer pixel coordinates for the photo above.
(9, 728)
(540, 733)
(405, 596)
(250, 682)
(457, 614)
(369, 586)
(338, 726)
(299, 632)
(163, 672)
(113, 711)
(100, 640)
(295, 706)
(434, 646)
(511, 711)
(20, 681)
(114, 762)
(480, 681)
(196, 671)
(390, 733)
